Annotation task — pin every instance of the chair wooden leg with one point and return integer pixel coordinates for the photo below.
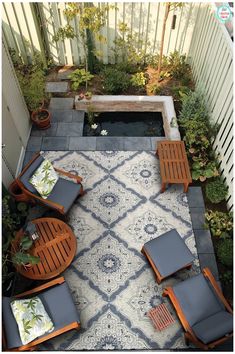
(185, 187)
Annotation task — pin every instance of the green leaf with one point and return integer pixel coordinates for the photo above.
(195, 175)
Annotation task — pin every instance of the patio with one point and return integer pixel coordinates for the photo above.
(111, 281)
(48, 67)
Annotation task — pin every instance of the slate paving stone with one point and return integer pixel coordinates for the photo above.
(198, 218)
(203, 241)
(109, 143)
(78, 116)
(82, 143)
(55, 143)
(58, 115)
(209, 260)
(34, 143)
(56, 87)
(69, 129)
(195, 197)
(45, 132)
(61, 103)
(154, 141)
(137, 143)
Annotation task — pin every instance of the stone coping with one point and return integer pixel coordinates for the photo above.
(109, 103)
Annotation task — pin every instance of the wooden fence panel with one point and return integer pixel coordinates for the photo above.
(211, 59)
(143, 18)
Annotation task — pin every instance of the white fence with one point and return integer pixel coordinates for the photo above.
(30, 27)
(211, 59)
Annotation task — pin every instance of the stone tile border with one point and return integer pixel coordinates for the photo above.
(203, 239)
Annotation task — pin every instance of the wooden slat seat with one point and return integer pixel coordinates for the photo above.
(174, 167)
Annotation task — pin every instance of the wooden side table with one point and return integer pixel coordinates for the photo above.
(174, 167)
(56, 248)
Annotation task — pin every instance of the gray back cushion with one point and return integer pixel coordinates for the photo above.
(64, 193)
(59, 305)
(214, 327)
(29, 172)
(168, 252)
(197, 299)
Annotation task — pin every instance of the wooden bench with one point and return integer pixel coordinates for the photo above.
(174, 167)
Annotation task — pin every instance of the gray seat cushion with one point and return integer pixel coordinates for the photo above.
(197, 299)
(64, 193)
(59, 305)
(28, 174)
(168, 252)
(214, 327)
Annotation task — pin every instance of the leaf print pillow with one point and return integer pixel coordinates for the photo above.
(44, 179)
(32, 318)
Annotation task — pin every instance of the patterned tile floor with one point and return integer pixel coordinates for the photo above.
(112, 283)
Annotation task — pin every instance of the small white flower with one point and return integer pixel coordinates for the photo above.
(94, 126)
(103, 132)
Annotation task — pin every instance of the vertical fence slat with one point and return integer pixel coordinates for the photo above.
(212, 66)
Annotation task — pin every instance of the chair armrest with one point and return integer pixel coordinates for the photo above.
(68, 174)
(207, 273)
(40, 288)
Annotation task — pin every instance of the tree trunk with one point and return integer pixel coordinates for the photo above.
(167, 10)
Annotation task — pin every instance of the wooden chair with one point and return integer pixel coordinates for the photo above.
(63, 194)
(204, 313)
(57, 300)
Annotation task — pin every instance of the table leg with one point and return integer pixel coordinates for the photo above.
(163, 187)
(157, 153)
(185, 187)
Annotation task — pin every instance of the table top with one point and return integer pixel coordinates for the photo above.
(56, 248)
(173, 161)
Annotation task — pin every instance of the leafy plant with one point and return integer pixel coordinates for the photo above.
(20, 257)
(227, 277)
(225, 252)
(154, 89)
(129, 48)
(79, 77)
(139, 79)
(177, 66)
(216, 191)
(197, 130)
(180, 91)
(89, 20)
(220, 224)
(115, 81)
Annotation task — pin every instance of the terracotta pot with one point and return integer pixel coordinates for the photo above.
(43, 123)
(17, 193)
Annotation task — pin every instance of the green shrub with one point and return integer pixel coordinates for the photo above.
(79, 77)
(115, 81)
(154, 89)
(139, 79)
(197, 131)
(225, 252)
(180, 91)
(216, 191)
(220, 224)
(178, 68)
(227, 277)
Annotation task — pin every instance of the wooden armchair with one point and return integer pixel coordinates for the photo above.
(63, 194)
(56, 298)
(204, 313)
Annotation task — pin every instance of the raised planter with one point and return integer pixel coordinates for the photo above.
(41, 118)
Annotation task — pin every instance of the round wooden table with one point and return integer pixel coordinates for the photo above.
(56, 248)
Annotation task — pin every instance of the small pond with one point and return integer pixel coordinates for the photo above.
(126, 124)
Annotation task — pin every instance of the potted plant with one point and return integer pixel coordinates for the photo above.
(22, 258)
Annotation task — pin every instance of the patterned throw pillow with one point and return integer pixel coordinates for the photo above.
(32, 318)
(44, 179)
